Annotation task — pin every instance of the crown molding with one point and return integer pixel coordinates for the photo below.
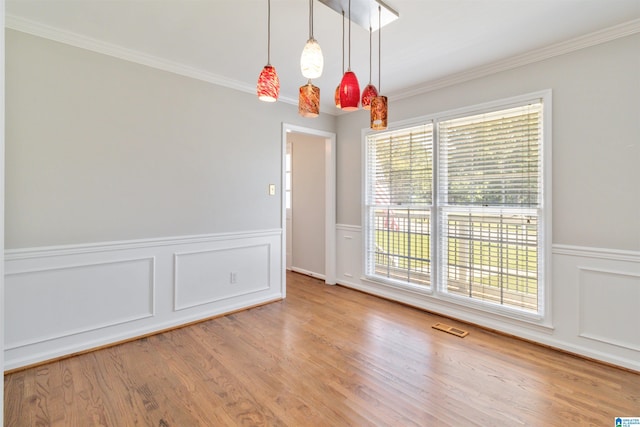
(592, 39)
(78, 40)
(84, 42)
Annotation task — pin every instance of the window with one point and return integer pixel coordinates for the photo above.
(399, 197)
(471, 227)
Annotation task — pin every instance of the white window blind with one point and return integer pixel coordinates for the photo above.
(398, 204)
(492, 159)
(472, 219)
(489, 200)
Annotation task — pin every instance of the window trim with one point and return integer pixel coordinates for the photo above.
(544, 317)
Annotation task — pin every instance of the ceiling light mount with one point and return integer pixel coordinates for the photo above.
(365, 12)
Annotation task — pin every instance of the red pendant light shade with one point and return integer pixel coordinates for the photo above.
(349, 92)
(349, 86)
(368, 94)
(268, 84)
(336, 96)
(309, 100)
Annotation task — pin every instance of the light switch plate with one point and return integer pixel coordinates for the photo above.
(272, 189)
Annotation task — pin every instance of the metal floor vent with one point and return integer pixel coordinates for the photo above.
(451, 330)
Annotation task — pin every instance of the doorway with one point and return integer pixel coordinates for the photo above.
(308, 202)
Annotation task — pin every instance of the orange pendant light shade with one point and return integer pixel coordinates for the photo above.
(379, 113)
(349, 92)
(268, 84)
(336, 97)
(370, 90)
(309, 101)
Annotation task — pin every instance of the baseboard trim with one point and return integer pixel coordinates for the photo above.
(569, 350)
(139, 337)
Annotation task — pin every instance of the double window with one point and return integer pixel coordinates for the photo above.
(454, 205)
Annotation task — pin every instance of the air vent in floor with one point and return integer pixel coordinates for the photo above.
(451, 330)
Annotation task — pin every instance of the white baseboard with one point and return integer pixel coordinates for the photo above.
(308, 273)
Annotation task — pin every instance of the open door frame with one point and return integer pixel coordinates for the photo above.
(330, 200)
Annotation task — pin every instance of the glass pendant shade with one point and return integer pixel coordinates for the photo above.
(309, 101)
(368, 94)
(336, 97)
(349, 92)
(379, 113)
(268, 84)
(311, 61)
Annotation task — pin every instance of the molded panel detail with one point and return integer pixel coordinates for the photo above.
(207, 276)
(609, 305)
(49, 303)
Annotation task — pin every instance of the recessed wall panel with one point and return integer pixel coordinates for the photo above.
(609, 307)
(46, 304)
(207, 276)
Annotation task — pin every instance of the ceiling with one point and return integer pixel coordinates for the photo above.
(225, 41)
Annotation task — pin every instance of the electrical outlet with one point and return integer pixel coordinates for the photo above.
(233, 277)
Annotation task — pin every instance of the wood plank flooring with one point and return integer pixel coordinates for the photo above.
(325, 356)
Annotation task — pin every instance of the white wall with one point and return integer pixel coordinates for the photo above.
(308, 204)
(596, 198)
(136, 199)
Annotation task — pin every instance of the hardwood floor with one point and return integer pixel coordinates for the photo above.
(326, 356)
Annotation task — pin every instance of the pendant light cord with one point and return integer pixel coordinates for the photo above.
(343, 42)
(349, 35)
(268, 32)
(310, 19)
(379, 46)
(370, 60)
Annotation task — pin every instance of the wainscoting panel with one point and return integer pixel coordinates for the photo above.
(208, 276)
(95, 296)
(609, 307)
(68, 299)
(595, 300)
(349, 253)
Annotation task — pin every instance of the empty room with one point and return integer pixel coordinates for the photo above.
(320, 213)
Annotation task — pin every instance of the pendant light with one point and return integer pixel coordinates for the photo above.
(268, 82)
(379, 103)
(349, 87)
(336, 97)
(311, 60)
(370, 90)
(309, 100)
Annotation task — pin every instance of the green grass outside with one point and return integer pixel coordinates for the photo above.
(414, 250)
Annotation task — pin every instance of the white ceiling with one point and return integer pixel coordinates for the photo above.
(225, 41)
